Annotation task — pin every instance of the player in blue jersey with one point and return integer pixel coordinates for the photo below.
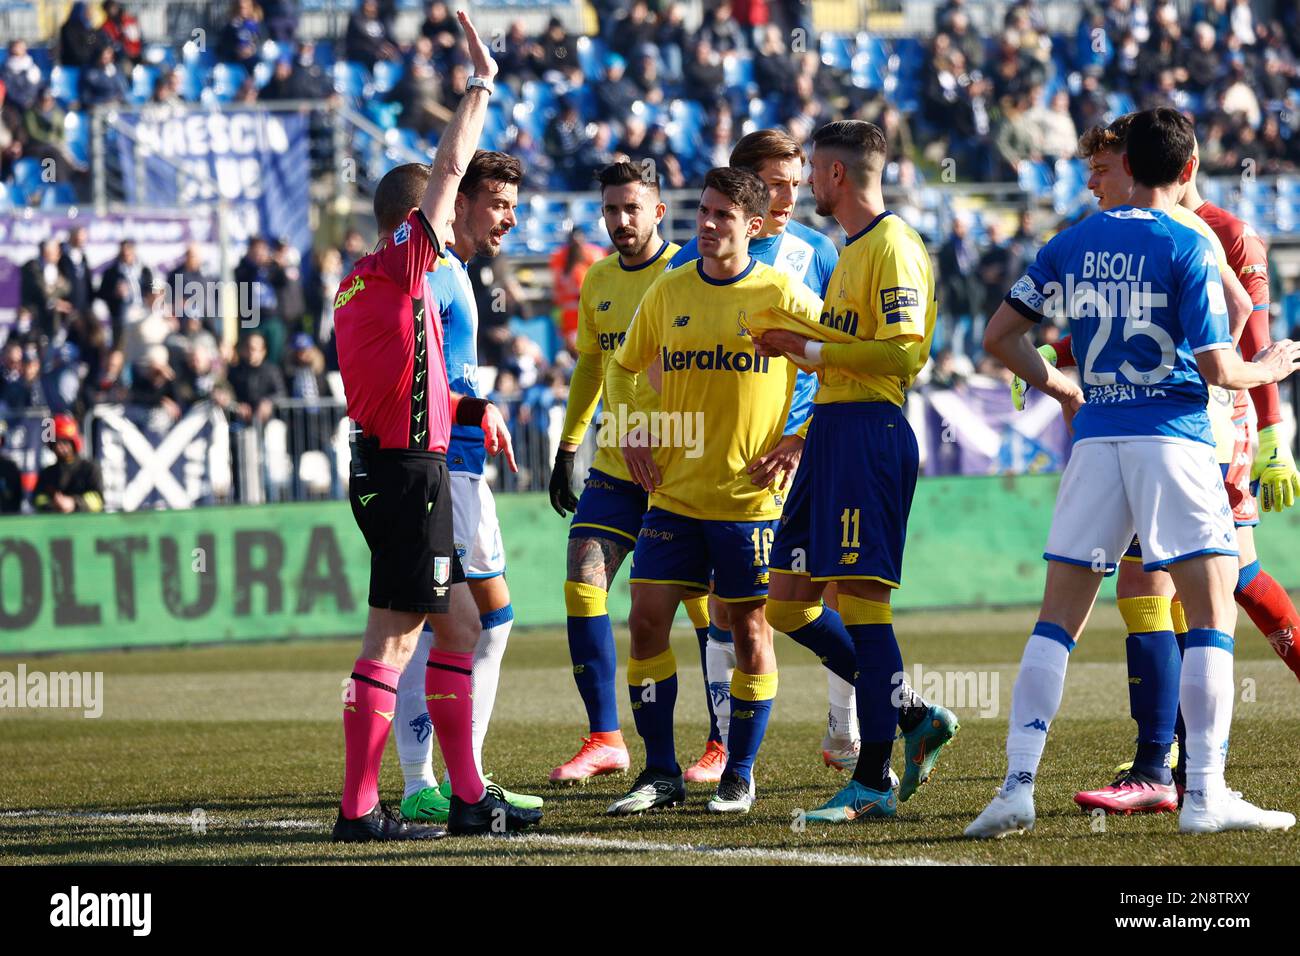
(803, 253)
(485, 212)
(1146, 307)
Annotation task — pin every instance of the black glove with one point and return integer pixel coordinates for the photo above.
(562, 497)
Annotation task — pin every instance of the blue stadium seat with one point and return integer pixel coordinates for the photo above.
(351, 79)
(541, 330)
(158, 54)
(495, 126)
(193, 80)
(6, 200)
(387, 73)
(77, 130)
(738, 72)
(262, 73)
(1288, 187)
(591, 57)
(1035, 177)
(384, 115)
(325, 53)
(27, 182)
(63, 83)
(226, 79)
(142, 81)
(837, 50)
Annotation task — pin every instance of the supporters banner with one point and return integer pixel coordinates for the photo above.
(257, 160)
(150, 460)
(160, 241)
(285, 571)
(973, 429)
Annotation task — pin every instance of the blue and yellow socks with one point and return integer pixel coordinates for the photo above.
(652, 688)
(1153, 676)
(752, 696)
(591, 649)
(870, 624)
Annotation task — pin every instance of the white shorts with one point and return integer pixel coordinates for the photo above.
(475, 527)
(1170, 491)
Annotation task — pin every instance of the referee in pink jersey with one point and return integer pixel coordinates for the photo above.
(390, 356)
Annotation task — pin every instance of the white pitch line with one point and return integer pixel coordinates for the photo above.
(743, 853)
(756, 854)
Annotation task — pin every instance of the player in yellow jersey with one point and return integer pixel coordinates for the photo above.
(608, 516)
(707, 518)
(846, 518)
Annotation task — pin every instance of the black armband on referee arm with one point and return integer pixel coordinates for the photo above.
(470, 411)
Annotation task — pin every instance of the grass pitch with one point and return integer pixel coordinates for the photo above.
(234, 754)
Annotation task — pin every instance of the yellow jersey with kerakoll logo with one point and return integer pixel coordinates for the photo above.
(721, 405)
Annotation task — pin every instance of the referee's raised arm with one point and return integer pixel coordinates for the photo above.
(456, 148)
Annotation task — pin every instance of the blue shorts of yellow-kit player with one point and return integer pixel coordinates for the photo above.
(676, 549)
(610, 508)
(846, 517)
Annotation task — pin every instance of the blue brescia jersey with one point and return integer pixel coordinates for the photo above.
(1143, 295)
(803, 253)
(458, 310)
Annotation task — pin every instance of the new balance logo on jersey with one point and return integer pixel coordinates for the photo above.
(717, 360)
(1037, 724)
(609, 341)
(680, 321)
(604, 306)
(845, 320)
(849, 558)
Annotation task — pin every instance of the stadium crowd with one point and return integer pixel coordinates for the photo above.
(647, 85)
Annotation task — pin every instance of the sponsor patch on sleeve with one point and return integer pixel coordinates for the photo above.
(899, 297)
(1025, 292)
(1253, 268)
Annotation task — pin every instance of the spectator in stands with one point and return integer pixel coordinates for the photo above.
(124, 287)
(72, 483)
(311, 424)
(634, 144)
(943, 17)
(722, 32)
(1279, 154)
(166, 88)
(1242, 20)
(21, 76)
(11, 144)
(557, 50)
(192, 293)
(47, 139)
(1204, 62)
(299, 77)
(1016, 140)
(963, 38)
(15, 385)
(615, 93)
(367, 40)
(773, 67)
(320, 303)
(1053, 130)
(254, 275)
(79, 42)
(109, 387)
(672, 40)
(354, 247)
(75, 267)
(440, 27)
(569, 265)
(1238, 98)
(122, 32)
(703, 75)
(255, 381)
(515, 61)
(566, 138)
(103, 82)
(281, 20)
(61, 379)
(45, 292)
(11, 478)
(286, 277)
(633, 31)
(419, 92)
(958, 284)
(600, 150)
(1014, 72)
(241, 38)
(537, 164)
(645, 74)
(154, 383)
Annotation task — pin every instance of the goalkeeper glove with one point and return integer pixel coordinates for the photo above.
(562, 496)
(1274, 469)
(1019, 386)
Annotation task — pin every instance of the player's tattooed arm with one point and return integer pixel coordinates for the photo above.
(595, 561)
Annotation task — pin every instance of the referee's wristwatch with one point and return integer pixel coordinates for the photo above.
(481, 81)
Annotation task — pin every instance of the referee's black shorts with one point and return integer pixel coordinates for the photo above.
(401, 501)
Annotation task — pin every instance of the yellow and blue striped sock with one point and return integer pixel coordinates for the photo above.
(697, 609)
(752, 696)
(818, 628)
(591, 649)
(652, 687)
(871, 626)
(1153, 674)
